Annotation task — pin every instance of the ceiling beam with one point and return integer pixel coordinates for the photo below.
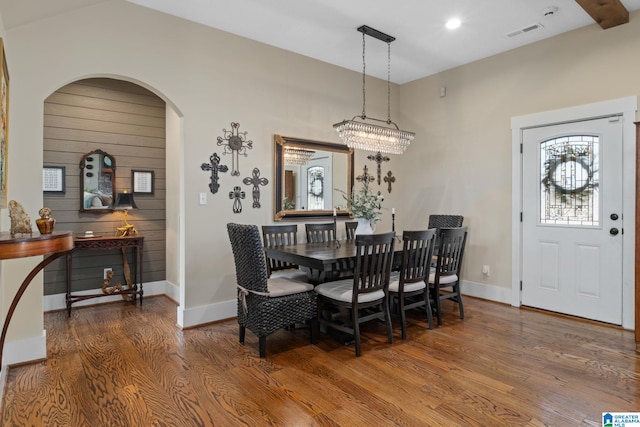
(607, 13)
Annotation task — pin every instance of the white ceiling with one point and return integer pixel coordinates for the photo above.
(326, 29)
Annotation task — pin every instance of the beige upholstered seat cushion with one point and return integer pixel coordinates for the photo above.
(292, 273)
(342, 290)
(443, 279)
(394, 285)
(279, 287)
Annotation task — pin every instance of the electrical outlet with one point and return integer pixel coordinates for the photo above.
(486, 271)
(105, 271)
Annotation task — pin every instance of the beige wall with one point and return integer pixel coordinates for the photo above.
(460, 161)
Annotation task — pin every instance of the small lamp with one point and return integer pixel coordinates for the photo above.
(124, 202)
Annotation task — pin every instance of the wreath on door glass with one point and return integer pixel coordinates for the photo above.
(553, 178)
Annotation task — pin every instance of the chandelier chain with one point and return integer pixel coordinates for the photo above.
(364, 93)
(388, 82)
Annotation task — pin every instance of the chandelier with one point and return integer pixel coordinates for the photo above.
(297, 156)
(368, 136)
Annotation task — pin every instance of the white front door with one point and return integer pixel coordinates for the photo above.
(572, 218)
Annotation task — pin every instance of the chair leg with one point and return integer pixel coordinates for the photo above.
(387, 319)
(241, 333)
(262, 344)
(356, 330)
(436, 298)
(460, 306)
(403, 317)
(427, 301)
(315, 330)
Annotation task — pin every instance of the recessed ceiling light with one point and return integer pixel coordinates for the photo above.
(453, 23)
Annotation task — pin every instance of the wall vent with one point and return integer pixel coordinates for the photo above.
(525, 30)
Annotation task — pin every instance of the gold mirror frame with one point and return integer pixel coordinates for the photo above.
(280, 142)
(97, 182)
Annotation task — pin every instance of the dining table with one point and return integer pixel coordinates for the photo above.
(323, 261)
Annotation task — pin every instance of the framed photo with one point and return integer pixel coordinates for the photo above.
(142, 182)
(4, 125)
(53, 179)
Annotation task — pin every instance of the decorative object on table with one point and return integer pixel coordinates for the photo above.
(142, 182)
(215, 167)
(378, 158)
(53, 179)
(365, 207)
(46, 222)
(235, 143)
(368, 136)
(389, 179)
(107, 289)
(4, 123)
(393, 219)
(236, 195)
(336, 242)
(365, 178)
(20, 221)
(256, 181)
(124, 202)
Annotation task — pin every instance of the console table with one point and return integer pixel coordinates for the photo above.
(136, 243)
(55, 245)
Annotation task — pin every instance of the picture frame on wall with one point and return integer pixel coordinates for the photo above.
(4, 125)
(53, 179)
(142, 182)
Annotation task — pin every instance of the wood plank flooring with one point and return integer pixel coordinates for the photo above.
(122, 365)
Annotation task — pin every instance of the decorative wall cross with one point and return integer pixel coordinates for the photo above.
(236, 144)
(379, 158)
(389, 179)
(214, 166)
(365, 178)
(236, 195)
(256, 181)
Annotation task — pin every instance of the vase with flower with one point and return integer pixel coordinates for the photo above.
(365, 208)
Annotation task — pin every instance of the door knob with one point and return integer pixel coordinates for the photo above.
(613, 231)
(613, 216)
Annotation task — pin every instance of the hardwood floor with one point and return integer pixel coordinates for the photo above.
(122, 365)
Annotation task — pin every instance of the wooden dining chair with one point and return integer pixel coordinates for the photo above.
(281, 235)
(320, 232)
(408, 288)
(446, 275)
(445, 220)
(350, 228)
(266, 305)
(365, 296)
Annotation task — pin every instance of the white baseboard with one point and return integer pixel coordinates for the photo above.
(207, 313)
(26, 350)
(488, 292)
(161, 287)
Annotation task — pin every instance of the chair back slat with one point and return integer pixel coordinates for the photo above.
(350, 228)
(248, 256)
(320, 233)
(374, 257)
(417, 253)
(279, 235)
(451, 250)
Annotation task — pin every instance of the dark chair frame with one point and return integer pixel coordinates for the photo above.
(450, 253)
(264, 314)
(374, 256)
(445, 221)
(279, 235)
(417, 252)
(350, 229)
(320, 232)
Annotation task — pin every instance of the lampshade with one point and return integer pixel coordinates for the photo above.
(297, 156)
(372, 137)
(124, 201)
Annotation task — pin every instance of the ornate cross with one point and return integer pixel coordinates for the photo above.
(365, 178)
(214, 166)
(256, 181)
(237, 194)
(389, 179)
(236, 144)
(379, 158)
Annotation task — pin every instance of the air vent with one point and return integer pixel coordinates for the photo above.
(525, 30)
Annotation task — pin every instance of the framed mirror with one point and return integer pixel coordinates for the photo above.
(310, 177)
(97, 181)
